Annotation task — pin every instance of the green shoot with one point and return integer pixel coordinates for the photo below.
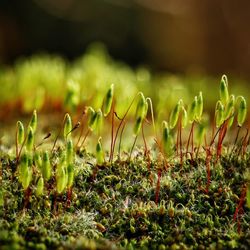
(224, 90)
(107, 101)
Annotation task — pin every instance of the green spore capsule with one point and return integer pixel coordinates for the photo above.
(142, 107)
(23, 167)
(192, 110)
(20, 132)
(98, 124)
(224, 89)
(70, 170)
(91, 118)
(99, 153)
(27, 179)
(26, 175)
(137, 126)
(61, 178)
(30, 140)
(46, 166)
(140, 114)
(184, 117)
(219, 114)
(33, 121)
(201, 133)
(242, 110)
(40, 187)
(67, 126)
(174, 115)
(69, 152)
(108, 99)
(230, 121)
(199, 108)
(229, 109)
(38, 160)
(167, 139)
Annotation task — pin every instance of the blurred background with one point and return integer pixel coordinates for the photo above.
(190, 36)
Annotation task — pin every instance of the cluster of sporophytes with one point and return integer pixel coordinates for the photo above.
(55, 83)
(189, 188)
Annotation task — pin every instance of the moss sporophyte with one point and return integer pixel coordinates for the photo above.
(185, 185)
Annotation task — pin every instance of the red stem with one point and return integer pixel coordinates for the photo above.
(189, 137)
(158, 186)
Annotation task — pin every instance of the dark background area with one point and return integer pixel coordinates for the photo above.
(194, 36)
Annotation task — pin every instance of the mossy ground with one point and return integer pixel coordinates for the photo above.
(113, 206)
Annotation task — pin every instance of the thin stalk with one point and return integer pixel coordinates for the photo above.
(189, 137)
(241, 204)
(245, 143)
(235, 141)
(144, 140)
(16, 145)
(118, 129)
(177, 141)
(152, 114)
(58, 134)
(180, 139)
(146, 151)
(21, 149)
(240, 149)
(120, 141)
(208, 160)
(82, 129)
(222, 135)
(41, 143)
(85, 137)
(112, 132)
(131, 151)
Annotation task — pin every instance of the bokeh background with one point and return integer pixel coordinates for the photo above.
(190, 36)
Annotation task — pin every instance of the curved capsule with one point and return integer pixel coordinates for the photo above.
(242, 110)
(67, 126)
(224, 89)
(99, 153)
(140, 114)
(70, 170)
(108, 99)
(201, 132)
(192, 110)
(98, 123)
(199, 108)
(38, 160)
(46, 166)
(184, 117)
(137, 126)
(33, 121)
(30, 140)
(69, 151)
(219, 114)
(27, 178)
(167, 139)
(91, 118)
(173, 119)
(61, 178)
(23, 167)
(229, 109)
(20, 132)
(40, 187)
(142, 107)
